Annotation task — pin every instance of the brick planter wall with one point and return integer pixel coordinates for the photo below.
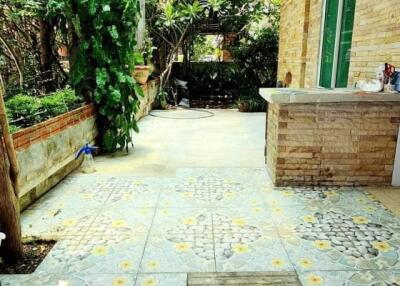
(46, 151)
(344, 144)
(41, 131)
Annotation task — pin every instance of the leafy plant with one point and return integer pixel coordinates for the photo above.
(26, 110)
(23, 109)
(101, 62)
(58, 102)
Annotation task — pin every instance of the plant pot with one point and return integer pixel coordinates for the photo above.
(244, 106)
(141, 74)
(63, 51)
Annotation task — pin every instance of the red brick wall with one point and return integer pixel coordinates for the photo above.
(36, 133)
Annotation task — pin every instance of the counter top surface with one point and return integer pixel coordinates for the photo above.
(321, 95)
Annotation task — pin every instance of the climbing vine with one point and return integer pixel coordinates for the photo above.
(102, 37)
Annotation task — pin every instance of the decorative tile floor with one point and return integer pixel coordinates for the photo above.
(153, 230)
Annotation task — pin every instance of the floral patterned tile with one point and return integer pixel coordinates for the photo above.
(122, 221)
(242, 219)
(96, 254)
(174, 279)
(343, 238)
(56, 223)
(391, 278)
(254, 251)
(183, 220)
(77, 279)
(348, 278)
(178, 252)
(251, 178)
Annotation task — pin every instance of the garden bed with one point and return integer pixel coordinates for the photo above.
(34, 254)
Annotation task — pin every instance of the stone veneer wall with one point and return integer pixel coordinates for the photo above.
(46, 151)
(344, 144)
(376, 39)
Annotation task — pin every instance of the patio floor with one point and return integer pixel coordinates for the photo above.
(194, 196)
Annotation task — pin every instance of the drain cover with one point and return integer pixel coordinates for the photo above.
(244, 279)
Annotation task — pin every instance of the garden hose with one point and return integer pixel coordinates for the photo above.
(206, 113)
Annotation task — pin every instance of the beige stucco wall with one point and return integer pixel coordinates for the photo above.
(376, 39)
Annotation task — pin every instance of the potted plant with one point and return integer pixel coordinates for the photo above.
(143, 56)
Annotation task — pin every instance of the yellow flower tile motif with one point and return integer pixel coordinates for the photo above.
(165, 212)
(239, 221)
(87, 196)
(360, 220)
(126, 264)
(370, 209)
(273, 203)
(381, 246)
(330, 193)
(119, 223)
(306, 263)
(152, 265)
(240, 248)
(277, 210)
(228, 181)
(254, 202)
(182, 246)
(119, 281)
(310, 219)
(229, 195)
(190, 221)
(371, 197)
(100, 250)
(166, 204)
(256, 210)
(322, 244)
(362, 200)
(278, 263)
(70, 222)
(314, 279)
(137, 182)
(288, 193)
(187, 195)
(144, 212)
(151, 281)
(192, 180)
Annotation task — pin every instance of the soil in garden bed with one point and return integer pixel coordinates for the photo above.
(34, 253)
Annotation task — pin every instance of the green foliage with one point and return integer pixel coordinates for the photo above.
(258, 57)
(13, 128)
(251, 103)
(58, 102)
(25, 110)
(104, 62)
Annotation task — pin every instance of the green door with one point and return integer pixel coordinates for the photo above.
(328, 45)
(346, 36)
(329, 50)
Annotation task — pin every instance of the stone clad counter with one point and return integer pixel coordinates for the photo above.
(322, 137)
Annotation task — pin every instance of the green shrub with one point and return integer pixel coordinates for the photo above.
(14, 128)
(23, 109)
(58, 102)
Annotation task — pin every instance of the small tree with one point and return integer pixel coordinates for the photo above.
(10, 224)
(102, 37)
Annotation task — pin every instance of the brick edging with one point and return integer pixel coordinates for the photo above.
(43, 130)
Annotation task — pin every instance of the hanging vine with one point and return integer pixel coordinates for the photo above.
(102, 37)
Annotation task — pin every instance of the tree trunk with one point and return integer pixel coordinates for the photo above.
(46, 55)
(10, 223)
